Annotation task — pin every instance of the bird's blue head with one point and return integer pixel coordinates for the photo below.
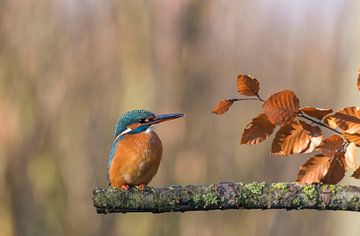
(137, 121)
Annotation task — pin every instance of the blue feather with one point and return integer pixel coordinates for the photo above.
(128, 118)
(113, 150)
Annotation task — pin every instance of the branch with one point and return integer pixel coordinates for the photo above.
(224, 196)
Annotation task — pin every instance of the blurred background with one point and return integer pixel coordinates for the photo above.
(69, 68)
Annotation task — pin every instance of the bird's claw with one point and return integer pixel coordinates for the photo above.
(125, 187)
(141, 187)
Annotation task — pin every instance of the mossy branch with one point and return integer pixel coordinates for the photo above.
(226, 195)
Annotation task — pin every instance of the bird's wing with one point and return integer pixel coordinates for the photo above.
(113, 150)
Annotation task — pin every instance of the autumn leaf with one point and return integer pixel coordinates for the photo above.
(350, 156)
(313, 170)
(315, 138)
(348, 120)
(336, 170)
(292, 138)
(330, 121)
(317, 113)
(355, 138)
(356, 173)
(223, 106)
(331, 145)
(247, 85)
(259, 129)
(282, 107)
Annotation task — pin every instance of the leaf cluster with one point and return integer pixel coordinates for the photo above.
(299, 131)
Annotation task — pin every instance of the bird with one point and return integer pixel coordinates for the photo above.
(136, 151)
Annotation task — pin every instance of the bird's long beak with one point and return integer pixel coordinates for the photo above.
(165, 117)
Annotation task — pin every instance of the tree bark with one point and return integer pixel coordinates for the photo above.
(222, 196)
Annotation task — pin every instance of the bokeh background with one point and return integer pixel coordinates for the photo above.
(69, 68)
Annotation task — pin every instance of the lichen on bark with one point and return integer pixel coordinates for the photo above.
(226, 195)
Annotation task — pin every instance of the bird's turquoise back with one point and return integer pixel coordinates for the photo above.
(113, 149)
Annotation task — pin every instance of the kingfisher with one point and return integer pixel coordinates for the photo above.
(137, 150)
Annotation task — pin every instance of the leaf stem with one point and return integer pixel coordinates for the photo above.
(259, 98)
(300, 114)
(242, 99)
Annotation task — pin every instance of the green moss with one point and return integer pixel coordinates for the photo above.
(297, 201)
(222, 199)
(206, 198)
(280, 189)
(170, 205)
(355, 201)
(332, 188)
(197, 199)
(210, 199)
(101, 201)
(256, 188)
(280, 186)
(252, 195)
(328, 188)
(310, 192)
(152, 190)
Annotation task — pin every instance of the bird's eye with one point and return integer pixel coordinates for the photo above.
(145, 120)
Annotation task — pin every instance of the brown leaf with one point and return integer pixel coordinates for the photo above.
(317, 113)
(259, 129)
(331, 145)
(315, 140)
(356, 173)
(331, 122)
(223, 106)
(355, 138)
(348, 120)
(350, 156)
(247, 85)
(282, 107)
(313, 170)
(337, 169)
(292, 138)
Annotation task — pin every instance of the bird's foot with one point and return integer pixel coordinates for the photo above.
(125, 187)
(141, 187)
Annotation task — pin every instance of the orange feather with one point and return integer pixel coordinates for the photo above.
(136, 159)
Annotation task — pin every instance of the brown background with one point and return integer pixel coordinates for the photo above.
(69, 68)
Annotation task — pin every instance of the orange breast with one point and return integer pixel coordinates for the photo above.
(136, 159)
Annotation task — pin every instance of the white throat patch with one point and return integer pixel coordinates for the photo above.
(128, 130)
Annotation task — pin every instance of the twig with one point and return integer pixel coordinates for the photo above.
(242, 99)
(300, 114)
(259, 98)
